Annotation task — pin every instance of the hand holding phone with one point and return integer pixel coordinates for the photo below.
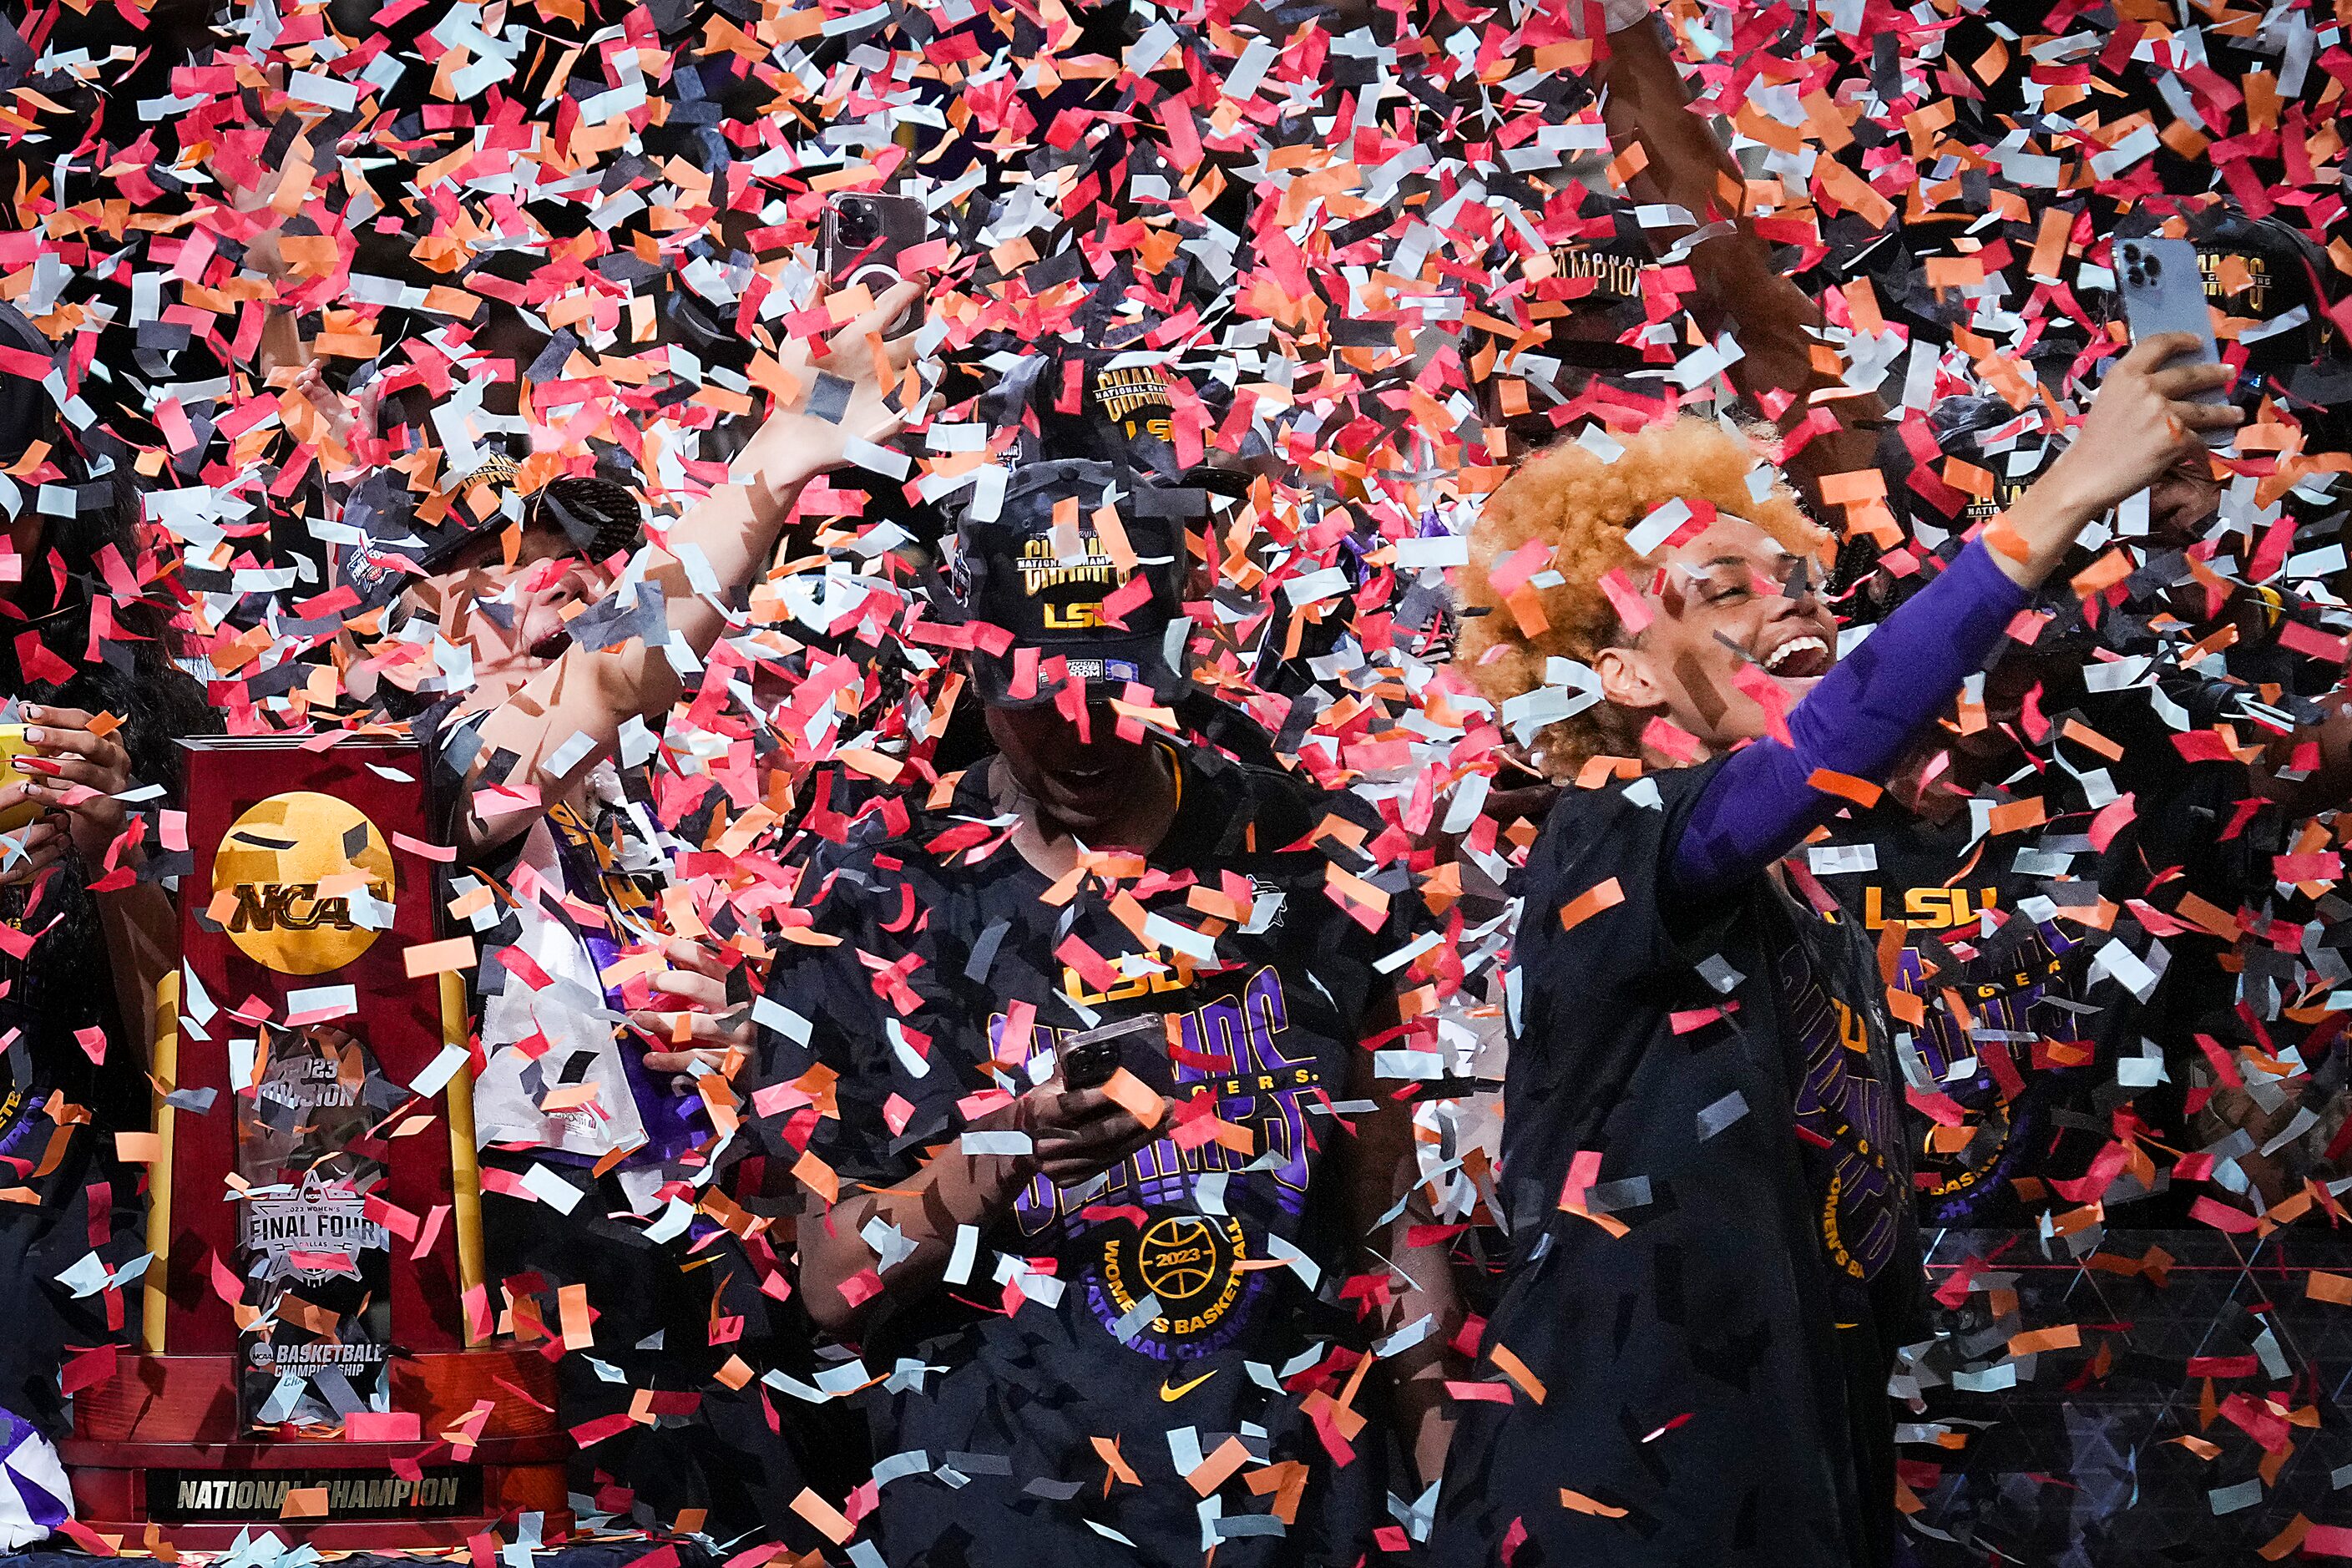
(1079, 1131)
(1139, 1044)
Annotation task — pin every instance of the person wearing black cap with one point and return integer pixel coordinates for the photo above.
(1111, 1287)
(1105, 403)
(592, 516)
(2279, 290)
(90, 930)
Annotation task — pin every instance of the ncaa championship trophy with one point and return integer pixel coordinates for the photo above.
(316, 1355)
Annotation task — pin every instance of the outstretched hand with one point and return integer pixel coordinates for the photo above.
(800, 442)
(692, 1016)
(2145, 419)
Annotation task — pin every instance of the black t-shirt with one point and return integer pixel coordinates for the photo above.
(1192, 1302)
(1696, 1361)
(2026, 1028)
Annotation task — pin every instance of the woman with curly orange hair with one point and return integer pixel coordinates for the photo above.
(1713, 1261)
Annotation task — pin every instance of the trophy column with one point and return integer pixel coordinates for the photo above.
(316, 1353)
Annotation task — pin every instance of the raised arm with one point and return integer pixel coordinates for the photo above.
(1646, 104)
(593, 691)
(1759, 805)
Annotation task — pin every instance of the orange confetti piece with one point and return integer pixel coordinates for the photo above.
(2276, 1549)
(2102, 575)
(438, 957)
(1861, 792)
(1119, 1468)
(1138, 1098)
(2017, 816)
(1602, 896)
(2033, 1341)
(2336, 1288)
(304, 1502)
(823, 1516)
(1517, 1371)
(1999, 536)
(1218, 1468)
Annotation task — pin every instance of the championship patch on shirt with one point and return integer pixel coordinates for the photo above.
(1168, 1276)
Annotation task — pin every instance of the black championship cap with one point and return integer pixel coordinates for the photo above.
(1107, 405)
(2270, 271)
(1591, 298)
(599, 515)
(1083, 562)
(2267, 272)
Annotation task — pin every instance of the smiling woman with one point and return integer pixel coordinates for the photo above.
(1553, 560)
(1703, 1158)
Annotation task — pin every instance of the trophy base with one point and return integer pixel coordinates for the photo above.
(159, 1447)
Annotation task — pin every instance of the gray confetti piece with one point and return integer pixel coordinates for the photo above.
(1608, 1197)
(2230, 1500)
(1715, 1117)
(829, 399)
(1135, 1319)
(984, 953)
(913, 1462)
(607, 624)
(1719, 975)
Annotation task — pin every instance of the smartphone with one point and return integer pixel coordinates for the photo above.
(13, 745)
(2164, 292)
(862, 237)
(1139, 1044)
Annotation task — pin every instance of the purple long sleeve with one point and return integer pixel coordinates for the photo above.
(1857, 722)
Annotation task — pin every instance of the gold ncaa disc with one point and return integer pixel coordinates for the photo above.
(271, 864)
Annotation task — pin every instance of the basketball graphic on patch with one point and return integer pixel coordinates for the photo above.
(1184, 1261)
(285, 877)
(1178, 1258)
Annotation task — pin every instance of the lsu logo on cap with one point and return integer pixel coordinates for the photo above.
(289, 868)
(1041, 569)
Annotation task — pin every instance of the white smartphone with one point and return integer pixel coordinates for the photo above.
(2164, 292)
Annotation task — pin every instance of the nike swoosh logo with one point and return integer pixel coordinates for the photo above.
(1174, 1392)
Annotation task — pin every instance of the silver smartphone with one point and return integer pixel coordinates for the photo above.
(861, 240)
(2163, 291)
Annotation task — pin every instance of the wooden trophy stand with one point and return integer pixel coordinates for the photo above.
(287, 840)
